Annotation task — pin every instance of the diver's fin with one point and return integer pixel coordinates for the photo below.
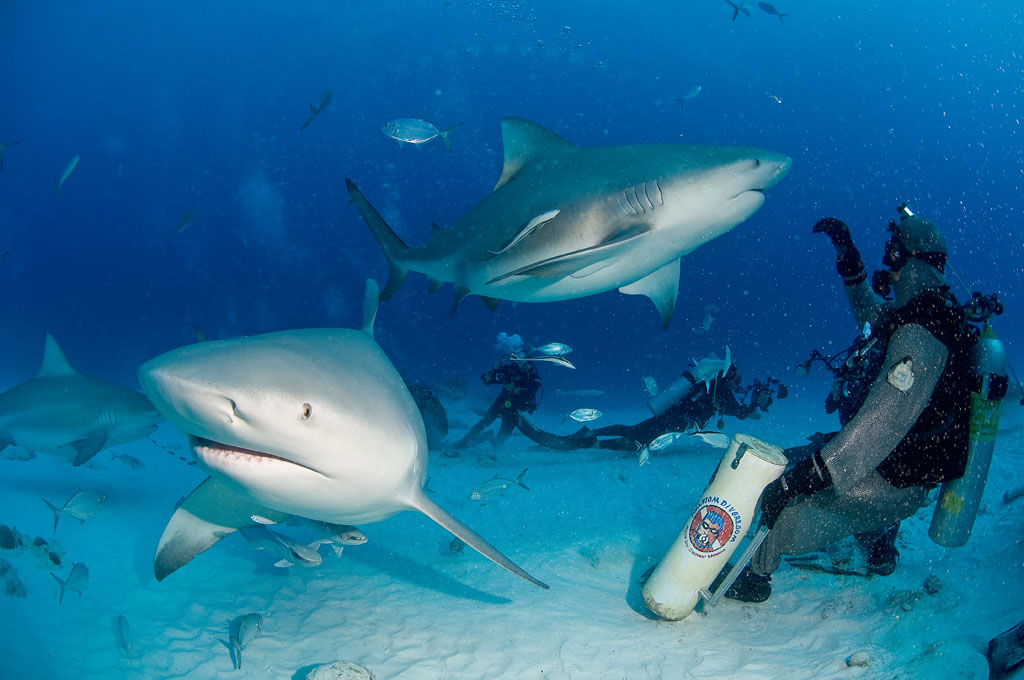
(87, 447)
(1006, 652)
(661, 286)
(211, 512)
(577, 263)
(371, 298)
(475, 541)
(523, 141)
(582, 439)
(393, 247)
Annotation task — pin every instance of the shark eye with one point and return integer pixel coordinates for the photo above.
(307, 411)
(757, 162)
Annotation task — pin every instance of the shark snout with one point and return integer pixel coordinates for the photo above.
(774, 167)
(190, 404)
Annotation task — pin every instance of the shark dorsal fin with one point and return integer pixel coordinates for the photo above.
(54, 362)
(523, 141)
(370, 300)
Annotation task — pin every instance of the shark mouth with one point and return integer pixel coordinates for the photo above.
(219, 455)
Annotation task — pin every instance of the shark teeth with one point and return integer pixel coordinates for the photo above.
(211, 452)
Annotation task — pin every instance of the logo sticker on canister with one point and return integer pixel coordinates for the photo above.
(711, 529)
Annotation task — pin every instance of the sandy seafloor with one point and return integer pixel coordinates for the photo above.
(406, 607)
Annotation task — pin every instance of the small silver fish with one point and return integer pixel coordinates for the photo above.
(77, 581)
(552, 349)
(560, 361)
(131, 461)
(325, 101)
(580, 393)
(123, 636)
(183, 223)
(584, 415)
(81, 506)
(336, 535)
(665, 441)
(416, 131)
(242, 631)
(651, 385)
(288, 551)
(496, 486)
(719, 440)
(694, 91)
(644, 456)
(67, 173)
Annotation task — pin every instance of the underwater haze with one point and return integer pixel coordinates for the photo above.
(200, 200)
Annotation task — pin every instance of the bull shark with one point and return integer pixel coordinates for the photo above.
(565, 222)
(315, 423)
(62, 411)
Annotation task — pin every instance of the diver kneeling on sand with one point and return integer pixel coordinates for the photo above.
(520, 384)
(905, 429)
(690, 402)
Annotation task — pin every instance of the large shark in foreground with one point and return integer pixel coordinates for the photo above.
(63, 412)
(315, 423)
(566, 222)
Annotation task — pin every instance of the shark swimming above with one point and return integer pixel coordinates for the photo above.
(63, 412)
(315, 423)
(566, 222)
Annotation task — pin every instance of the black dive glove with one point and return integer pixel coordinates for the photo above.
(809, 476)
(848, 261)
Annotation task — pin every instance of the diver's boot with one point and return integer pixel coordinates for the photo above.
(883, 555)
(748, 587)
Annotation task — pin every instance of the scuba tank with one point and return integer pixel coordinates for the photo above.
(959, 499)
(675, 392)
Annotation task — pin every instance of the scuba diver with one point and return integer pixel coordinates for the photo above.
(690, 402)
(904, 408)
(520, 384)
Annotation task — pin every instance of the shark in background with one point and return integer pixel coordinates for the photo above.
(66, 413)
(565, 222)
(315, 423)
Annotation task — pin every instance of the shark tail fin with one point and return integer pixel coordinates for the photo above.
(475, 541)
(393, 247)
(444, 135)
(371, 297)
(56, 513)
(62, 584)
(728, 361)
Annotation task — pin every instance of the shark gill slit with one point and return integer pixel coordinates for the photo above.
(661, 197)
(631, 197)
(628, 211)
(648, 196)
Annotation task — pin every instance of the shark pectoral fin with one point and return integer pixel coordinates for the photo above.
(211, 512)
(87, 447)
(283, 564)
(579, 263)
(661, 286)
(470, 537)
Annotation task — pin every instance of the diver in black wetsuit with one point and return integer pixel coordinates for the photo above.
(520, 384)
(689, 403)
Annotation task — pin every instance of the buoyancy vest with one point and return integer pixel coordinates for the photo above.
(935, 449)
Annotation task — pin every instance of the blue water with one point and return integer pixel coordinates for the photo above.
(196, 106)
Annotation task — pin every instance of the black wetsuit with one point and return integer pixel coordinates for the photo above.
(520, 384)
(693, 410)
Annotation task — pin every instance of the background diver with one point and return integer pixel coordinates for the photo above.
(519, 383)
(903, 405)
(690, 402)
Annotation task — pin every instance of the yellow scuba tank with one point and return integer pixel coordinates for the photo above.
(959, 499)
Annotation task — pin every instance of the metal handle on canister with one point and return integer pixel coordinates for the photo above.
(723, 515)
